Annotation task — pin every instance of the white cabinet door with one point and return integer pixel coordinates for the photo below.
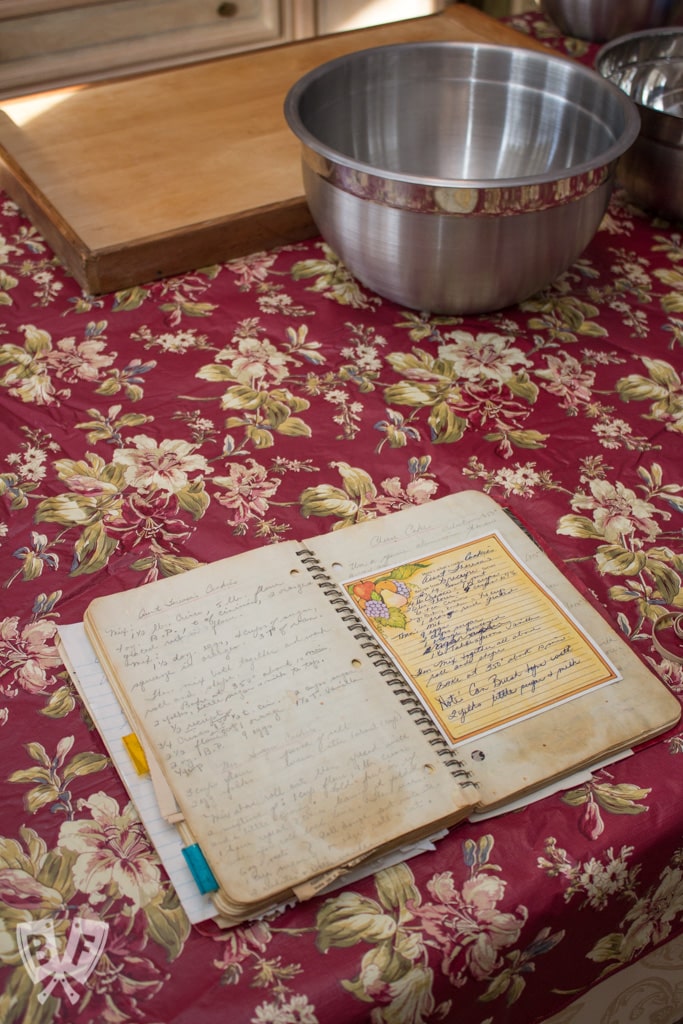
(44, 43)
(340, 15)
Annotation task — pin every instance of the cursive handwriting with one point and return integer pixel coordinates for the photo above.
(486, 644)
(286, 749)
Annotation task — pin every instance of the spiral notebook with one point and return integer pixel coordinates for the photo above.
(308, 707)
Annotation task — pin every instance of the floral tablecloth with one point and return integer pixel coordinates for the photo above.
(147, 431)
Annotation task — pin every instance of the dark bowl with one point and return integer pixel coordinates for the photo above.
(648, 67)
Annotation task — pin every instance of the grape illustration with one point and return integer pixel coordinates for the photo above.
(376, 610)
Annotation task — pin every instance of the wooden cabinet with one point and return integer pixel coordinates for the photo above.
(49, 43)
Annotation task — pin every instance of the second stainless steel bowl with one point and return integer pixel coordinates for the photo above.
(456, 177)
(600, 20)
(648, 66)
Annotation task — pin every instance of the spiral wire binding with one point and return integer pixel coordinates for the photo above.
(380, 660)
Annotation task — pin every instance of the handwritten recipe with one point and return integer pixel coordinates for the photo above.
(478, 637)
(270, 731)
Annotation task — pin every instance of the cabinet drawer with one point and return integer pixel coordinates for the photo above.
(83, 42)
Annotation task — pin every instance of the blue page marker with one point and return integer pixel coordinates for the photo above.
(201, 872)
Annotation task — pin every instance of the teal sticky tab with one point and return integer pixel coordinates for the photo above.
(201, 872)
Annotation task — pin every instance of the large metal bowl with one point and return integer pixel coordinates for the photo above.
(648, 67)
(456, 177)
(600, 20)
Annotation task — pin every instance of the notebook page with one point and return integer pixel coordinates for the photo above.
(288, 753)
(540, 749)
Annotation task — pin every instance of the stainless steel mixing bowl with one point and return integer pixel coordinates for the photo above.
(648, 66)
(457, 177)
(600, 20)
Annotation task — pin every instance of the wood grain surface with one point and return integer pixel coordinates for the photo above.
(138, 178)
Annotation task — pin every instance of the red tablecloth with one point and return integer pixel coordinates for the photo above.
(146, 431)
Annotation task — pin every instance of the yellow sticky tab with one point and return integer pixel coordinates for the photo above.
(137, 754)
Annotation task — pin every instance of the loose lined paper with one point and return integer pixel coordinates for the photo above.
(113, 726)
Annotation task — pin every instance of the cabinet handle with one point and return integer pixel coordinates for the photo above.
(227, 10)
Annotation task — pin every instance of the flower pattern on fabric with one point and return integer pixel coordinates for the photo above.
(467, 923)
(112, 853)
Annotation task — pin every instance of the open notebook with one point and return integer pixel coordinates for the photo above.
(309, 707)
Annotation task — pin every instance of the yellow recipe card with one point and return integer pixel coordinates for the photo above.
(478, 638)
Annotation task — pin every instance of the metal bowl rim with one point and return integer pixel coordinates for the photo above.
(630, 37)
(616, 44)
(612, 153)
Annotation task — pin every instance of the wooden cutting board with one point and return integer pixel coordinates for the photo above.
(136, 179)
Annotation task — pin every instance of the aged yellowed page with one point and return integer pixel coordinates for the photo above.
(287, 752)
(525, 754)
(480, 639)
